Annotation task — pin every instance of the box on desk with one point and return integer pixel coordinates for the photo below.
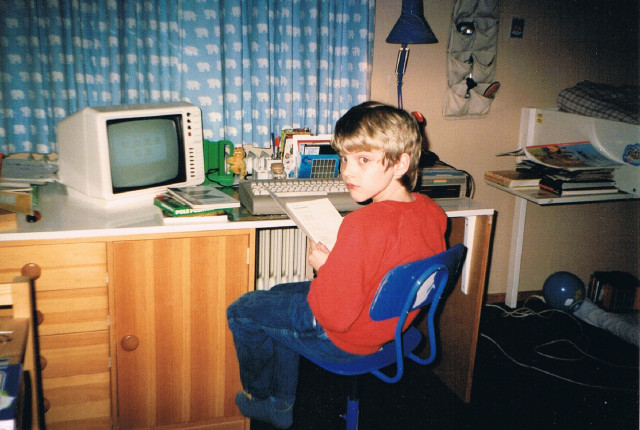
(614, 291)
(442, 181)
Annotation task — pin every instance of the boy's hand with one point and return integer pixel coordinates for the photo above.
(318, 254)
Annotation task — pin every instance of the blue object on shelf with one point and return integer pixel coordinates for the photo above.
(318, 166)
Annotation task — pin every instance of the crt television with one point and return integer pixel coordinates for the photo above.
(113, 155)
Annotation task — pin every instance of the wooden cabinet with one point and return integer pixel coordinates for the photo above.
(176, 363)
(134, 332)
(71, 295)
(168, 294)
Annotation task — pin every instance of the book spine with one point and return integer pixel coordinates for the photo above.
(559, 184)
(592, 287)
(586, 191)
(174, 211)
(548, 188)
(548, 182)
(497, 179)
(178, 197)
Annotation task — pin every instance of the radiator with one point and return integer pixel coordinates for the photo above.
(282, 257)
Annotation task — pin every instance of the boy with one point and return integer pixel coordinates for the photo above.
(328, 318)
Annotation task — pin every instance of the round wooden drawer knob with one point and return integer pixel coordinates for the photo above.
(43, 362)
(31, 270)
(46, 404)
(130, 342)
(39, 317)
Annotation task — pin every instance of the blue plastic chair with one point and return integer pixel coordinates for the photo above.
(403, 289)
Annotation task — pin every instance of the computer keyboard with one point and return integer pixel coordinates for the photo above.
(254, 195)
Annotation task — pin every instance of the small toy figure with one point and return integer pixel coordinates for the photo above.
(236, 162)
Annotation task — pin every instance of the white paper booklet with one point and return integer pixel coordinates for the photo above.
(317, 218)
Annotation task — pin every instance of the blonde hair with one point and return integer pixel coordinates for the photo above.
(374, 126)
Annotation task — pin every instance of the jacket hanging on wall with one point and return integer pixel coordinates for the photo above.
(471, 59)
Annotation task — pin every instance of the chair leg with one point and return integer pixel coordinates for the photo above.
(353, 406)
(351, 417)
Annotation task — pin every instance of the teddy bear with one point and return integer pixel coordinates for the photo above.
(236, 162)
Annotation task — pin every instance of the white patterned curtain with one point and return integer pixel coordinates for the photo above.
(252, 66)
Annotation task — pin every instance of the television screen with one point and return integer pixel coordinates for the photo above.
(144, 152)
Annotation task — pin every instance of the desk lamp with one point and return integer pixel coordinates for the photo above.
(412, 27)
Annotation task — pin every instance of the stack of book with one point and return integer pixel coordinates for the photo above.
(579, 183)
(202, 203)
(19, 180)
(614, 291)
(513, 178)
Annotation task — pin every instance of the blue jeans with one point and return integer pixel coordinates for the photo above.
(270, 328)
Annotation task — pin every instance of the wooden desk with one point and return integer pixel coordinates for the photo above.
(134, 328)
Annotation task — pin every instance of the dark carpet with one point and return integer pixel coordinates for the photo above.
(536, 368)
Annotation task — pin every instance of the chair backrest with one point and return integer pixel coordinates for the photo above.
(411, 286)
(414, 285)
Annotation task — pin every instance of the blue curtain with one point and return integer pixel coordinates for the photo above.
(252, 66)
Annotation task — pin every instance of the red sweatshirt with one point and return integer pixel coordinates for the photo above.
(371, 241)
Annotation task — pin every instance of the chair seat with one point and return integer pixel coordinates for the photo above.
(384, 357)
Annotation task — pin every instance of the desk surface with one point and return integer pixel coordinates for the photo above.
(64, 217)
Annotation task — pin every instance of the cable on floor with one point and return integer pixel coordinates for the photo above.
(538, 351)
(524, 311)
(583, 384)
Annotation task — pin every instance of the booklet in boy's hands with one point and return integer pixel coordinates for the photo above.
(317, 218)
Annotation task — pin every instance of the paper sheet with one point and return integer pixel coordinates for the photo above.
(317, 218)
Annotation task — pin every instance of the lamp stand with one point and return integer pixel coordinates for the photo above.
(401, 68)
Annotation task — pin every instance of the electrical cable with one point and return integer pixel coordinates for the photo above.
(471, 188)
(209, 172)
(525, 312)
(583, 384)
(585, 354)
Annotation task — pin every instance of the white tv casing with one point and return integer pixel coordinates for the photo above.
(78, 162)
(618, 141)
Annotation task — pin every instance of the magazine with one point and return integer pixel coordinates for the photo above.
(569, 156)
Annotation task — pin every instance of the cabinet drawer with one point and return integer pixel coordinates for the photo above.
(64, 266)
(74, 354)
(76, 380)
(73, 311)
(79, 402)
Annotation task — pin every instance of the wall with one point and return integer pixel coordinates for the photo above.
(564, 42)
